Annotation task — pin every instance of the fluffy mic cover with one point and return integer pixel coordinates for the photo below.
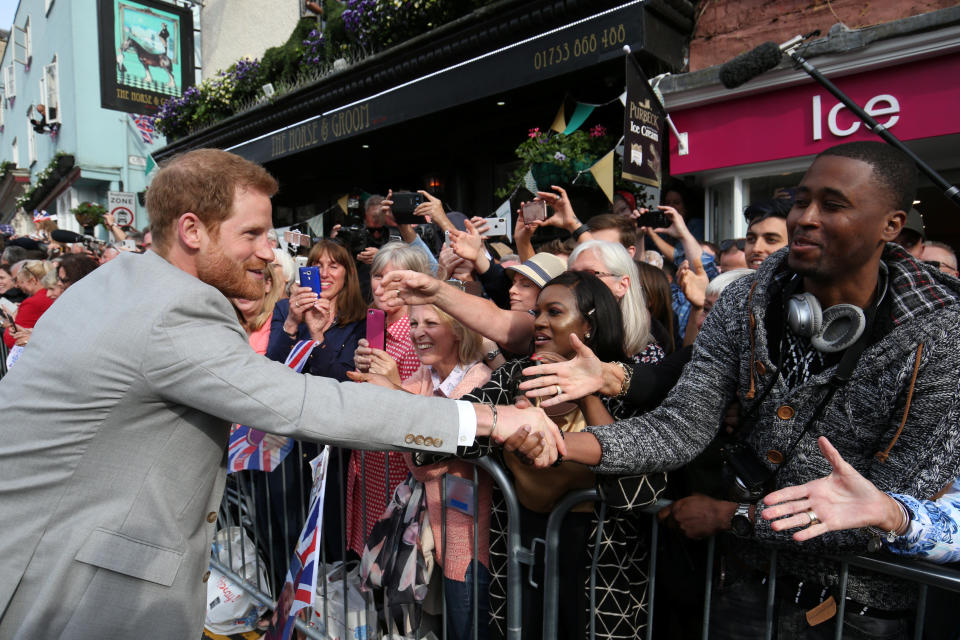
(750, 64)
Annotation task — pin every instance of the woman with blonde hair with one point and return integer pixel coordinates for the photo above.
(254, 315)
(30, 280)
(452, 366)
(373, 476)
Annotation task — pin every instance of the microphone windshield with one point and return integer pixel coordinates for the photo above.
(750, 64)
(65, 236)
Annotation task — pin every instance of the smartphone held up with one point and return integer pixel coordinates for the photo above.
(310, 277)
(534, 211)
(377, 329)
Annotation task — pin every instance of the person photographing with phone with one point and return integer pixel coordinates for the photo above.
(335, 317)
(387, 349)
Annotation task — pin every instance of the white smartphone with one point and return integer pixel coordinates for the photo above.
(496, 226)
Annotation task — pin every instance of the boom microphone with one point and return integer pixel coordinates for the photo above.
(749, 65)
(66, 237)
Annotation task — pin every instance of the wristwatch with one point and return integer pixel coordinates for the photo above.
(741, 524)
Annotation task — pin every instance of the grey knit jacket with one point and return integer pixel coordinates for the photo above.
(862, 419)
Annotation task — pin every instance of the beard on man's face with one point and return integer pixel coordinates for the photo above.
(229, 276)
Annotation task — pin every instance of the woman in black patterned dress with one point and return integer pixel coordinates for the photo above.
(575, 303)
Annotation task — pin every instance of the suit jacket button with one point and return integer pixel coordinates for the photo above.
(212, 517)
(206, 576)
(438, 442)
(418, 440)
(409, 438)
(785, 412)
(428, 441)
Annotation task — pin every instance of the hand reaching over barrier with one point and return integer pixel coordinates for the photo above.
(842, 500)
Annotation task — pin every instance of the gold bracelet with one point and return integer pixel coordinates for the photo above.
(627, 379)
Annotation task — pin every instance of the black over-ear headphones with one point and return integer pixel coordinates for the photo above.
(835, 328)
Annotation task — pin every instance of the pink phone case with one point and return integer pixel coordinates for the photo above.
(376, 328)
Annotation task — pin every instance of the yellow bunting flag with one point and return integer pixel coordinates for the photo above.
(342, 202)
(560, 122)
(602, 172)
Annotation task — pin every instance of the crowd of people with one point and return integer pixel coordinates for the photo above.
(795, 389)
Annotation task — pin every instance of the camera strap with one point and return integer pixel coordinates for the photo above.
(839, 378)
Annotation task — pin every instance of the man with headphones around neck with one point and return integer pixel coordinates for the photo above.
(842, 334)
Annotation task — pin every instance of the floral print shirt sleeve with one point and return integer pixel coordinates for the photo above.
(934, 532)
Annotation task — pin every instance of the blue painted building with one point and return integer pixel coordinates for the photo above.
(52, 59)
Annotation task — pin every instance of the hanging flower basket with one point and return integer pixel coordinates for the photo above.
(89, 214)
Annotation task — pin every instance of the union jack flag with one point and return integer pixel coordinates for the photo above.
(145, 126)
(42, 214)
(246, 449)
(300, 587)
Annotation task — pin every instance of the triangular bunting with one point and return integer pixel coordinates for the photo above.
(559, 122)
(580, 114)
(529, 183)
(342, 203)
(602, 172)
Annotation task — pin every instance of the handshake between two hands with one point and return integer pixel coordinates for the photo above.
(523, 429)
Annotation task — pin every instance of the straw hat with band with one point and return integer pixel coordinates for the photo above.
(541, 268)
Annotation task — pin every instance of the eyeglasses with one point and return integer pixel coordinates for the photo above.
(604, 274)
(936, 264)
(729, 243)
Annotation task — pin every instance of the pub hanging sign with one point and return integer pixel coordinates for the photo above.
(146, 54)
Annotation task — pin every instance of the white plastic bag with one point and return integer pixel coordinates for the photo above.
(230, 609)
(361, 613)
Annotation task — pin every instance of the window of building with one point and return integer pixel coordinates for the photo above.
(50, 90)
(31, 145)
(10, 81)
(65, 202)
(15, 153)
(21, 44)
(26, 40)
(3, 108)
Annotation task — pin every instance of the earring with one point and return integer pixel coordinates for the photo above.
(587, 335)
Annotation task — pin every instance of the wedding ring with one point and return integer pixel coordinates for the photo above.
(559, 390)
(813, 517)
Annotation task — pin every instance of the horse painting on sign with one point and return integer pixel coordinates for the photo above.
(147, 39)
(147, 59)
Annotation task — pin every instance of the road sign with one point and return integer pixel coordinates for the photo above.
(123, 205)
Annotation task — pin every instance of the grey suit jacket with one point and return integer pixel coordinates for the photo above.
(113, 428)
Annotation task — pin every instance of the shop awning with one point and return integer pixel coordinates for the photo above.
(572, 46)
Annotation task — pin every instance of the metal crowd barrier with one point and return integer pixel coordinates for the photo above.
(245, 491)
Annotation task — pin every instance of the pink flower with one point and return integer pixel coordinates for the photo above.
(533, 133)
(598, 131)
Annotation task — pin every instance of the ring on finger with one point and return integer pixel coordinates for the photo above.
(559, 390)
(813, 517)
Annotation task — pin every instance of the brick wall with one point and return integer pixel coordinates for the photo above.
(726, 28)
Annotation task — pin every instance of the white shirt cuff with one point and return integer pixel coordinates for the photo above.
(468, 424)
